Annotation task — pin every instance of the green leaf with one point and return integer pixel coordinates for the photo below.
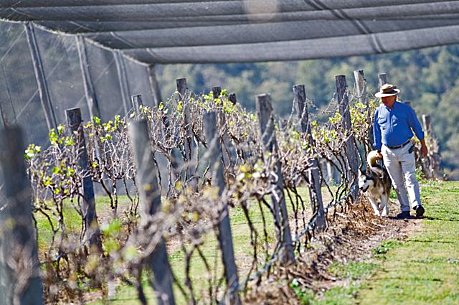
(96, 120)
(69, 141)
(53, 137)
(360, 105)
(56, 170)
(70, 172)
(60, 129)
(47, 181)
(31, 151)
(336, 118)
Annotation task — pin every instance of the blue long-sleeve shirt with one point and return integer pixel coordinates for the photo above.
(393, 127)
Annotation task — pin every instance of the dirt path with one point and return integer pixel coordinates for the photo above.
(379, 261)
(423, 270)
(350, 237)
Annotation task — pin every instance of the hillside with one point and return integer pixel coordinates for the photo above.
(429, 78)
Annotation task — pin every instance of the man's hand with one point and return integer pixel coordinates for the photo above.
(424, 150)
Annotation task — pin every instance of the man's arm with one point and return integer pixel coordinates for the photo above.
(417, 128)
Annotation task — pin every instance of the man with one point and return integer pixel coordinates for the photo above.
(393, 127)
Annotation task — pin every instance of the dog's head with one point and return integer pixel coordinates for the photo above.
(364, 181)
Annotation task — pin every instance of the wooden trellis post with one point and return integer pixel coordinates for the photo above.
(315, 191)
(361, 88)
(232, 98)
(299, 102)
(268, 137)
(20, 281)
(175, 154)
(432, 169)
(183, 91)
(40, 76)
(351, 149)
(229, 152)
(89, 91)
(88, 206)
(137, 103)
(150, 203)
(225, 236)
(382, 79)
(182, 87)
(216, 91)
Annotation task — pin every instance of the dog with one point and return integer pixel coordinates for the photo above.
(376, 184)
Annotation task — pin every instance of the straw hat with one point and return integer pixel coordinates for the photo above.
(387, 90)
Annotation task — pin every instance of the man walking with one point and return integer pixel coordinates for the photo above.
(393, 127)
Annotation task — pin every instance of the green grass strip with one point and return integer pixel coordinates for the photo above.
(423, 269)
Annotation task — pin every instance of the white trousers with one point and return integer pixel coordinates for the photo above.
(401, 165)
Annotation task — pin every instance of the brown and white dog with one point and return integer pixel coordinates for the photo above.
(376, 184)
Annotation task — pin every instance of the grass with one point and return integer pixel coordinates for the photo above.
(127, 295)
(420, 270)
(72, 224)
(72, 219)
(352, 270)
(350, 277)
(381, 250)
(424, 269)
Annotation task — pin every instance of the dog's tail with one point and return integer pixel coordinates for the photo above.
(372, 158)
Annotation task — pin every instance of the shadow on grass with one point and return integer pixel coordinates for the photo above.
(407, 278)
(432, 241)
(441, 218)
